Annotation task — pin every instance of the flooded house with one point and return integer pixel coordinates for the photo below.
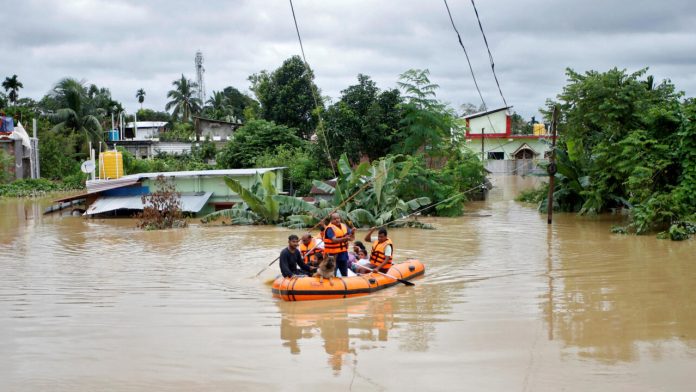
(201, 191)
(489, 135)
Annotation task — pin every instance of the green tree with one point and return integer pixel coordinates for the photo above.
(12, 84)
(426, 124)
(151, 115)
(287, 96)
(183, 99)
(254, 139)
(629, 144)
(303, 163)
(140, 94)
(364, 121)
(74, 110)
(240, 103)
(218, 107)
(58, 158)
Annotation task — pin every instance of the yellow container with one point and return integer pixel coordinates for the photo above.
(111, 165)
(539, 129)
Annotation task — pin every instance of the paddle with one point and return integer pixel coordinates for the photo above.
(406, 282)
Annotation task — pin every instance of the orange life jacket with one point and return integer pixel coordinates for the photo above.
(377, 256)
(309, 250)
(331, 247)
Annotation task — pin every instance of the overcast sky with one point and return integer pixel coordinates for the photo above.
(127, 45)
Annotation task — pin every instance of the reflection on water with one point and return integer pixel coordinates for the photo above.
(507, 303)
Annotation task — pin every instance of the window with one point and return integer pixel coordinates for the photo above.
(497, 155)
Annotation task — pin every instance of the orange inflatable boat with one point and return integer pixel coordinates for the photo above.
(309, 288)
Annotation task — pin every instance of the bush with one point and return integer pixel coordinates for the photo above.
(33, 188)
(304, 165)
(255, 138)
(162, 208)
(448, 187)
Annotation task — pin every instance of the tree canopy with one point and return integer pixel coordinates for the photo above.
(287, 96)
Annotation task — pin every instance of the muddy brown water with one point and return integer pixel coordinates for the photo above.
(507, 304)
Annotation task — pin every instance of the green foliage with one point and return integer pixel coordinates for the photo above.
(254, 139)
(6, 162)
(34, 188)
(229, 105)
(259, 204)
(58, 157)
(12, 84)
(286, 96)
(183, 102)
(534, 195)
(180, 132)
(75, 109)
(303, 164)
(426, 123)
(627, 143)
(151, 115)
(140, 94)
(364, 121)
(163, 162)
(449, 187)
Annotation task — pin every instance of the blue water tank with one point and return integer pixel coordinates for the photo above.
(113, 135)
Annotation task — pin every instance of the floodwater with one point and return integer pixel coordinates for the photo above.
(507, 304)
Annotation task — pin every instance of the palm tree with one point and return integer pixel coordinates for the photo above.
(72, 96)
(141, 97)
(184, 99)
(12, 85)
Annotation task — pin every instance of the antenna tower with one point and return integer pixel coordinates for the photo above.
(199, 76)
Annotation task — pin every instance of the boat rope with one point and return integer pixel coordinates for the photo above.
(320, 126)
(459, 194)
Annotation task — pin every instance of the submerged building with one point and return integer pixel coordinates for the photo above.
(202, 191)
(489, 135)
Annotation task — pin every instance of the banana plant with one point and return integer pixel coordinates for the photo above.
(258, 206)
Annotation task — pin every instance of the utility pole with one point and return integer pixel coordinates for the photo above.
(551, 169)
(483, 158)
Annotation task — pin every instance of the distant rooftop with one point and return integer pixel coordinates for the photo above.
(147, 124)
(479, 114)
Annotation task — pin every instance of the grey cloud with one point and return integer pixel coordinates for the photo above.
(126, 45)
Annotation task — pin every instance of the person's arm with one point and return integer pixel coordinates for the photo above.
(300, 262)
(368, 236)
(284, 264)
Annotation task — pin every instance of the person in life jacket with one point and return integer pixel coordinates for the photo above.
(336, 238)
(310, 248)
(382, 251)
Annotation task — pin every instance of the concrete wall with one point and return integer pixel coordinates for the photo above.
(215, 184)
(498, 121)
(508, 146)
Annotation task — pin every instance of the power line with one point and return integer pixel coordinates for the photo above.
(485, 107)
(314, 93)
(490, 56)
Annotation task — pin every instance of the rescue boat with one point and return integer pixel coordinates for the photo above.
(308, 288)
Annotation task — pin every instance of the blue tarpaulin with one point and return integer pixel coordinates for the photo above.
(6, 124)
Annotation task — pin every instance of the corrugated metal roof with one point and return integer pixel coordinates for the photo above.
(197, 173)
(192, 202)
(94, 186)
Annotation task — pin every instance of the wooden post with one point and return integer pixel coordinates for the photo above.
(551, 169)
